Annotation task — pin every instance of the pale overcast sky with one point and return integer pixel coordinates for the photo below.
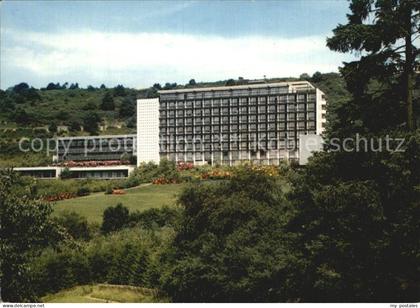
(140, 43)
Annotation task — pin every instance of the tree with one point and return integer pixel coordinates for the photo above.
(102, 86)
(115, 218)
(74, 126)
(157, 86)
(91, 121)
(21, 116)
(230, 245)
(52, 127)
(387, 44)
(107, 102)
(90, 105)
(170, 86)
(353, 225)
(74, 86)
(192, 82)
(119, 90)
(25, 229)
(91, 88)
(20, 88)
(304, 76)
(75, 224)
(230, 82)
(316, 77)
(127, 108)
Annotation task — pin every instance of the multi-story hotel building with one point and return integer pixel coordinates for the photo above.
(258, 122)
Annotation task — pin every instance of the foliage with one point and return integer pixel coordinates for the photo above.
(25, 228)
(75, 224)
(83, 191)
(355, 226)
(90, 122)
(127, 257)
(229, 245)
(115, 218)
(65, 174)
(384, 33)
(107, 102)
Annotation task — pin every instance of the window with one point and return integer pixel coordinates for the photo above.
(233, 119)
(207, 103)
(271, 117)
(272, 108)
(197, 104)
(207, 112)
(262, 118)
(225, 102)
(262, 100)
(225, 120)
(243, 101)
(180, 104)
(180, 113)
(243, 119)
(262, 126)
(252, 109)
(300, 116)
(197, 113)
(215, 111)
(188, 104)
(234, 110)
(252, 118)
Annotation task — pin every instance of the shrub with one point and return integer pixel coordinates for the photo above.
(83, 191)
(115, 218)
(65, 174)
(153, 218)
(75, 224)
(108, 190)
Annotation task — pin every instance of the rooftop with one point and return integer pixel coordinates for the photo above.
(294, 85)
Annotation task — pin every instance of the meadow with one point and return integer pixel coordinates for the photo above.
(140, 198)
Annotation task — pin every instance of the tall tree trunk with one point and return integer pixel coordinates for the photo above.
(408, 67)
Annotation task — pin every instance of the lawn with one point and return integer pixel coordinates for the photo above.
(104, 293)
(139, 198)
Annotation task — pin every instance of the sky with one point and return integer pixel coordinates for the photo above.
(139, 43)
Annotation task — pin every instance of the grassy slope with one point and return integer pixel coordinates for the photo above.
(140, 198)
(102, 293)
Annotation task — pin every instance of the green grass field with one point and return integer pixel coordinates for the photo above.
(103, 293)
(139, 198)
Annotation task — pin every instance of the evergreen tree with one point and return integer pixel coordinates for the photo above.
(384, 33)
